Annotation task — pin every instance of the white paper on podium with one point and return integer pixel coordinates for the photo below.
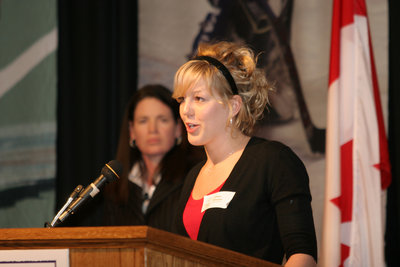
(34, 258)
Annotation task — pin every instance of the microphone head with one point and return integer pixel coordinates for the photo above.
(112, 170)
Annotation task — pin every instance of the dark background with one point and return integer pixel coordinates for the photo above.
(392, 235)
(97, 73)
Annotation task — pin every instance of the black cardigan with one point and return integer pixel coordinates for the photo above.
(270, 213)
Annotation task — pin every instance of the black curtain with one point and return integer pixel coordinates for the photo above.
(392, 235)
(97, 73)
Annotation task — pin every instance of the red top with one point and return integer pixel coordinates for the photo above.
(192, 214)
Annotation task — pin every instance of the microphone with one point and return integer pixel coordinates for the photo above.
(109, 173)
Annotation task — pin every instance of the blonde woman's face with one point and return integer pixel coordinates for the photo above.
(154, 128)
(204, 115)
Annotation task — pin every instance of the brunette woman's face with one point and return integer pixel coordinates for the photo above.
(204, 115)
(154, 128)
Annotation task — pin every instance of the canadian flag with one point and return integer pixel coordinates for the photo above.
(357, 160)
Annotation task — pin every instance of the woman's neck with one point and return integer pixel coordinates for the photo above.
(151, 164)
(225, 148)
(221, 159)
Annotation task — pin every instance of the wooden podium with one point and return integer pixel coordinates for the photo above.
(125, 246)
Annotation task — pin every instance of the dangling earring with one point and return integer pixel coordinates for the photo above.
(132, 143)
(178, 140)
(231, 121)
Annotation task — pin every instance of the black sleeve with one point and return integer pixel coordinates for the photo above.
(296, 226)
(292, 201)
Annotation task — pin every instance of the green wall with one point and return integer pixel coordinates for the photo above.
(28, 43)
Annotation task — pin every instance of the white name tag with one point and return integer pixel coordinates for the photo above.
(217, 200)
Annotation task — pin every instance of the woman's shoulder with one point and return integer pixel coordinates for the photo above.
(260, 145)
(281, 164)
(262, 150)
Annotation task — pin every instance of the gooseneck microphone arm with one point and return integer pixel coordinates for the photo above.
(109, 173)
(71, 198)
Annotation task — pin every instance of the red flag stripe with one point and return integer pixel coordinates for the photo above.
(384, 165)
(345, 201)
(335, 43)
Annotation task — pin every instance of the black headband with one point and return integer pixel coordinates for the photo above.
(222, 69)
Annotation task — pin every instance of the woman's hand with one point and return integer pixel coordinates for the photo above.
(301, 260)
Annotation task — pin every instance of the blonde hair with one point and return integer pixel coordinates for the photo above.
(250, 81)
